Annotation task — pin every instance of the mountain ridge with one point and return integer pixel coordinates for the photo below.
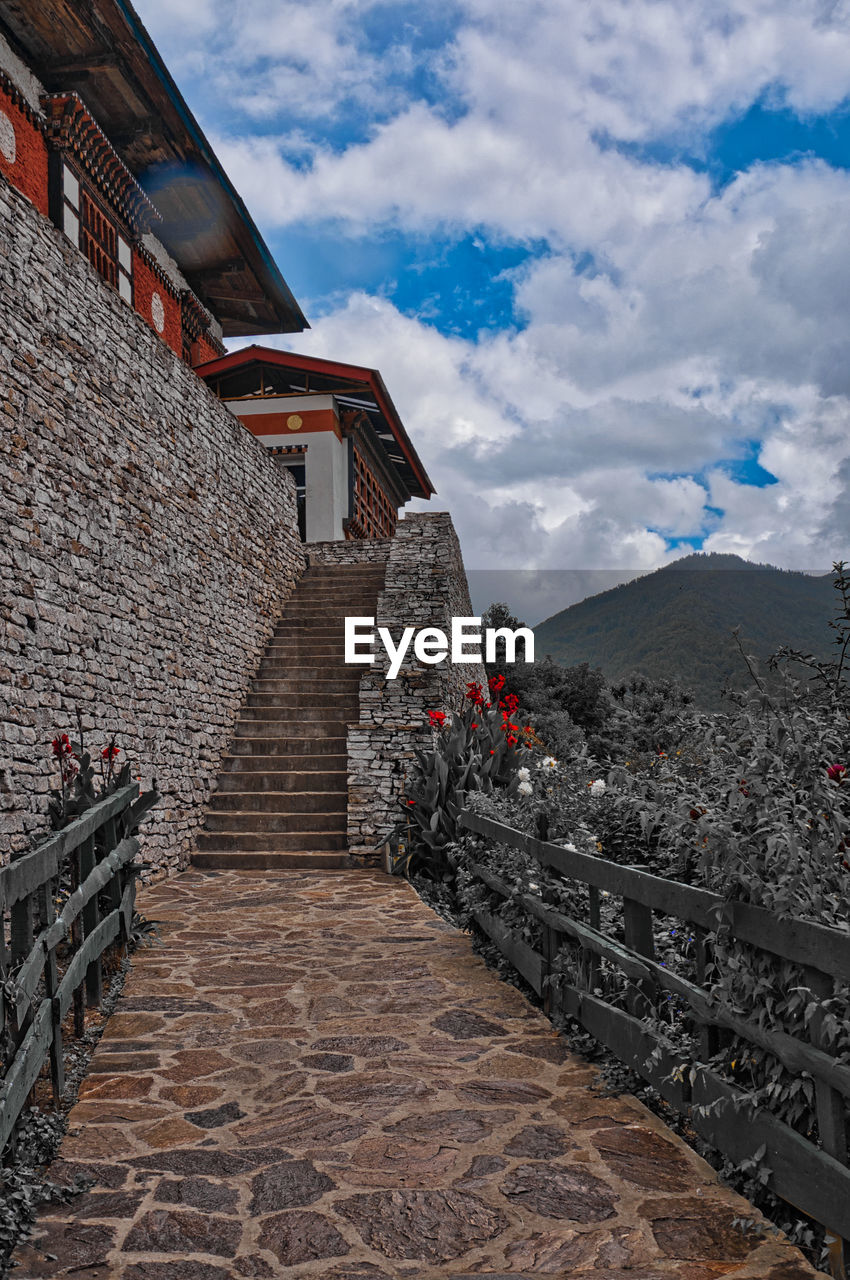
(677, 622)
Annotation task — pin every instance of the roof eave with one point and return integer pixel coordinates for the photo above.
(256, 354)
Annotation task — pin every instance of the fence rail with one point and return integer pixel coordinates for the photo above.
(47, 959)
(814, 1178)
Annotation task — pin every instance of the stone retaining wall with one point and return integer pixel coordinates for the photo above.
(148, 543)
(367, 551)
(425, 586)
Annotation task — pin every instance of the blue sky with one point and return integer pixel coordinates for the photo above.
(597, 248)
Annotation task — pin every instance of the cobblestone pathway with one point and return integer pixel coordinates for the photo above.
(314, 1076)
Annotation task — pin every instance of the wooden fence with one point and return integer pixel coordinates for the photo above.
(814, 1178)
(47, 959)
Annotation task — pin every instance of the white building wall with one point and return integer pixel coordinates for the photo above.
(326, 461)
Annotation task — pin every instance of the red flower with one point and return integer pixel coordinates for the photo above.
(411, 802)
(473, 726)
(511, 740)
(475, 693)
(836, 772)
(109, 753)
(437, 719)
(62, 746)
(496, 683)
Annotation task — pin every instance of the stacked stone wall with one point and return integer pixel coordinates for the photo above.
(148, 543)
(365, 551)
(425, 585)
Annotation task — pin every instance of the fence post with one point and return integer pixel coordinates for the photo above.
(22, 928)
(637, 919)
(5, 966)
(709, 1036)
(832, 1128)
(90, 919)
(552, 940)
(594, 971)
(51, 982)
(110, 841)
(22, 922)
(551, 945)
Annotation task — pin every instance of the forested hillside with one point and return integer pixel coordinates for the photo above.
(676, 623)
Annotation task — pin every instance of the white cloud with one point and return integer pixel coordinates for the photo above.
(668, 326)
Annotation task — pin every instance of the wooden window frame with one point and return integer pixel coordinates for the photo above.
(83, 215)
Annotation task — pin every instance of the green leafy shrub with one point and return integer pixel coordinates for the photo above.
(753, 804)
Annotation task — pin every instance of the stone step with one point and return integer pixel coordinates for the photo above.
(325, 655)
(304, 700)
(365, 569)
(259, 725)
(283, 786)
(329, 602)
(306, 653)
(281, 802)
(271, 860)
(245, 779)
(333, 615)
(330, 680)
(330, 589)
(264, 841)
(283, 748)
(260, 822)
(327, 629)
(339, 707)
(318, 693)
(262, 765)
(347, 676)
(322, 602)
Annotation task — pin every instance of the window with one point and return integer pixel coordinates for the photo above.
(87, 224)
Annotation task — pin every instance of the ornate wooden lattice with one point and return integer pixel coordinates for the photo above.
(99, 239)
(373, 514)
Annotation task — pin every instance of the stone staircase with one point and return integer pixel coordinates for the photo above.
(282, 798)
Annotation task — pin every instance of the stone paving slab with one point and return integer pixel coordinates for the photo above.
(315, 1076)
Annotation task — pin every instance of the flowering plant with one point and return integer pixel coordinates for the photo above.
(80, 786)
(475, 749)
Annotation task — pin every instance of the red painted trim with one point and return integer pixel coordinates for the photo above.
(274, 424)
(371, 378)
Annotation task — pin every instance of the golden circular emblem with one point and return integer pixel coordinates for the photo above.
(295, 422)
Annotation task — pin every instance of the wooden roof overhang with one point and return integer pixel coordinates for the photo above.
(259, 370)
(100, 50)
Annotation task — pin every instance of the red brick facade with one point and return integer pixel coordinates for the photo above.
(28, 170)
(204, 349)
(162, 316)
